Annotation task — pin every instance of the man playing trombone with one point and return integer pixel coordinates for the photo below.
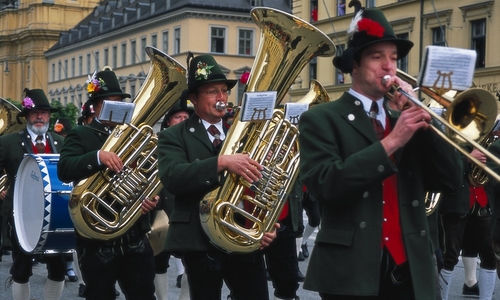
(370, 166)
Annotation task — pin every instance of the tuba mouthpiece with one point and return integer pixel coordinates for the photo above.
(220, 106)
(385, 78)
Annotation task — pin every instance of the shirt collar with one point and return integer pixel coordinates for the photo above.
(367, 104)
(218, 125)
(34, 136)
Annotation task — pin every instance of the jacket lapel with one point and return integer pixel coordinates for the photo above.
(353, 112)
(197, 130)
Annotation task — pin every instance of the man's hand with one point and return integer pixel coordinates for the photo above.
(478, 155)
(149, 204)
(269, 237)
(111, 160)
(242, 165)
(412, 119)
(3, 194)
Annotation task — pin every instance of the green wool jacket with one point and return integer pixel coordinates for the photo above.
(343, 164)
(188, 169)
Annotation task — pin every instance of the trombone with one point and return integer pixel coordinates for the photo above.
(474, 104)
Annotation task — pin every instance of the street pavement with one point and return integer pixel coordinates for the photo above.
(70, 291)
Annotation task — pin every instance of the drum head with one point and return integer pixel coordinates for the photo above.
(29, 201)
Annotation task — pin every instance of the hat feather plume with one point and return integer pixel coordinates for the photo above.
(354, 24)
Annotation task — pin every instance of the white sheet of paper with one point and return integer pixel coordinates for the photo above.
(116, 111)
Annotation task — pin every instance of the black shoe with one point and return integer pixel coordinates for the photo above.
(471, 291)
(71, 275)
(301, 256)
(178, 283)
(301, 277)
(305, 251)
(81, 290)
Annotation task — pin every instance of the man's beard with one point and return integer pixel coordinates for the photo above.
(38, 130)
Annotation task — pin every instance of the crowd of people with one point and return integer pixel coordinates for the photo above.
(366, 164)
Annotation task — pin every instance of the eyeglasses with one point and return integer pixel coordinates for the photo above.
(214, 92)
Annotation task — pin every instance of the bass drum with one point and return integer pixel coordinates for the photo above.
(41, 216)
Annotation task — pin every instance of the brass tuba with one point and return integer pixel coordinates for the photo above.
(8, 124)
(238, 214)
(107, 204)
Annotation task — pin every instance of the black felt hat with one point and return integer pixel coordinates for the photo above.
(183, 104)
(368, 27)
(103, 84)
(204, 69)
(34, 99)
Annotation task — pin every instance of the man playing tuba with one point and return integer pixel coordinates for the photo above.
(189, 168)
(128, 258)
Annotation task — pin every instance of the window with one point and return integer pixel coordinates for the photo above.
(133, 52)
(339, 78)
(164, 41)
(370, 3)
(73, 67)
(177, 41)
(114, 57)
(143, 47)
(65, 69)
(96, 59)
(124, 54)
(403, 63)
(340, 7)
(106, 56)
(59, 67)
(53, 72)
(313, 68)
(80, 65)
(153, 40)
(478, 42)
(314, 11)
(256, 2)
(439, 36)
(88, 64)
(217, 39)
(245, 42)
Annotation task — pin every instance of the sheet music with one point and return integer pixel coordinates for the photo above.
(116, 111)
(257, 106)
(294, 110)
(447, 67)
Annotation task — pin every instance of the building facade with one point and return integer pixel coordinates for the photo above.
(468, 24)
(115, 34)
(27, 30)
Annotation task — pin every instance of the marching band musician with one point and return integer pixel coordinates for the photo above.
(34, 139)
(129, 258)
(189, 168)
(369, 169)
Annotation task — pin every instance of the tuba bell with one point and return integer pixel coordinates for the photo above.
(8, 124)
(238, 214)
(107, 204)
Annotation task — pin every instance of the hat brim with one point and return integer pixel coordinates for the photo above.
(230, 83)
(23, 112)
(403, 48)
(123, 95)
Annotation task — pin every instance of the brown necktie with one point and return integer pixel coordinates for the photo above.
(377, 125)
(216, 134)
(40, 146)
